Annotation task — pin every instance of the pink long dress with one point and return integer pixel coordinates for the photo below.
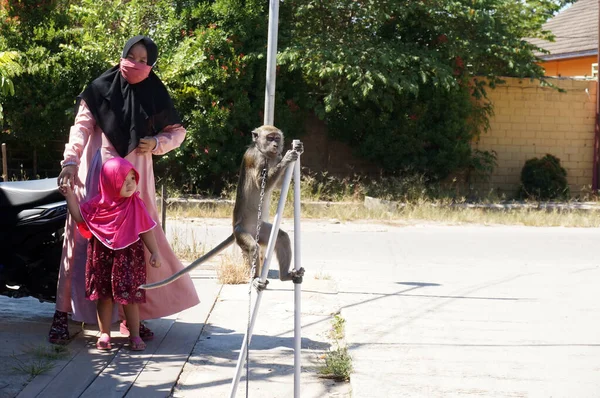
(89, 148)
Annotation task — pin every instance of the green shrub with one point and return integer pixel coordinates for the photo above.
(544, 179)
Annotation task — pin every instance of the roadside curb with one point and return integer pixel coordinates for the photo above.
(388, 205)
(382, 204)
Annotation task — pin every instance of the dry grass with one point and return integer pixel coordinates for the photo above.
(423, 201)
(233, 269)
(321, 275)
(520, 216)
(432, 211)
(185, 245)
(203, 210)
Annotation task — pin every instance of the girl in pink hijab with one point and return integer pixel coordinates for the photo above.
(114, 221)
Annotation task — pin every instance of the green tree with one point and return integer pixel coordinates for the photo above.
(404, 81)
(211, 59)
(9, 68)
(44, 96)
(217, 77)
(63, 45)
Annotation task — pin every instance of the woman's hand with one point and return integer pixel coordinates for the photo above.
(147, 144)
(67, 176)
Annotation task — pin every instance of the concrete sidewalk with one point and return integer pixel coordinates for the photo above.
(121, 372)
(193, 354)
(211, 366)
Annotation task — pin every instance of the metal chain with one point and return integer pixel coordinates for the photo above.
(263, 183)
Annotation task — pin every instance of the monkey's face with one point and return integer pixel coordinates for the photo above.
(269, 142)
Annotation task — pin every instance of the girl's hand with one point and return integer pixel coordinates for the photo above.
(155, 260)
(65, 190)
(147, 144)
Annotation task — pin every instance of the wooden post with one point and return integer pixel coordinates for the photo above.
(163, 207)
(34, 176)
(4, 164)
(595, 171)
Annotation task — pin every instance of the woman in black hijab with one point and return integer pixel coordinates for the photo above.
(129, 102)
(125, 112)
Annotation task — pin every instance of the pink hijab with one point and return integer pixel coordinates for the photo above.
(115, 221)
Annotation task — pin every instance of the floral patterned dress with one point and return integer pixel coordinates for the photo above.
(115, 274)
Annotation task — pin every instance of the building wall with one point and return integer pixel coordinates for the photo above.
(570, 67)
(531, 121)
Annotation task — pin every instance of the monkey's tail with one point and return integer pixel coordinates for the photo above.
(220, 247)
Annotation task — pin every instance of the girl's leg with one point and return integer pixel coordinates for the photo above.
(132, 313)
(105, 309)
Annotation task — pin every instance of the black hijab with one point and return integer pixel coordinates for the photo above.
(127, 112)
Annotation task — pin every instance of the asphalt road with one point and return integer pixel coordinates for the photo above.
(444, 311)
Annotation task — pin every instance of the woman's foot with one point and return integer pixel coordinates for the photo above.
(145, 333)
(136, 344)
(103, 342)
(59, 331)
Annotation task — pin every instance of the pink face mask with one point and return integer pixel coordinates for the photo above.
(134, 72)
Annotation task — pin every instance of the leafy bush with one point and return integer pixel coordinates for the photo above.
(430, 133)
(219, 91)
(544, 179)
(402, 84)
(211, 58)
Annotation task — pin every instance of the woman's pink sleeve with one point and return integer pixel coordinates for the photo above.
(79, 135)
(170, 138)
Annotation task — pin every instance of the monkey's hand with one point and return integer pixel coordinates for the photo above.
(290, 156)
(299, 148)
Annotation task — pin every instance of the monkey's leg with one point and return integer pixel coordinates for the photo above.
(250, 250)
(283, 251)
(261, 259)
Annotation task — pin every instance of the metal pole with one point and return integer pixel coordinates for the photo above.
(269, 113)
(4, 164)
(263, 277)
(271, 62)
(298, 285)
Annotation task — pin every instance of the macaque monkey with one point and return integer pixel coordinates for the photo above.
(264, 152)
